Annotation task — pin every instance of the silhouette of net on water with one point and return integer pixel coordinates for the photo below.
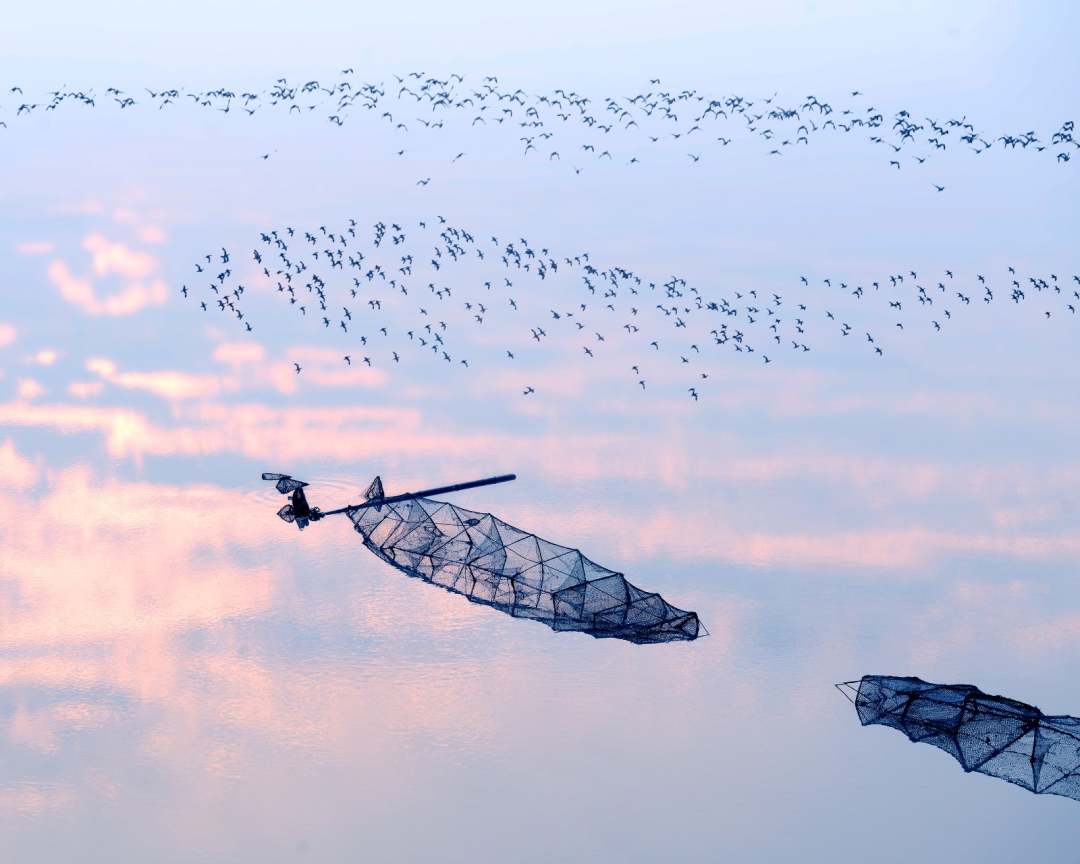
(988, 734)
(493, 563)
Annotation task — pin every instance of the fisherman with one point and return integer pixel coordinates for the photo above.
(303, 511)
(300, 506)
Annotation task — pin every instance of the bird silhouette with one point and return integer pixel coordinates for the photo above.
(692, 327)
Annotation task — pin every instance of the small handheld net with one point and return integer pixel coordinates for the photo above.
(285, 484)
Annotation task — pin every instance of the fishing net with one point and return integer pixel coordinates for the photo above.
(493, 563)
(989, 734)
(375, 491)
(285, 484)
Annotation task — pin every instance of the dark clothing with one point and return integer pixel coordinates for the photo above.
(300, 505)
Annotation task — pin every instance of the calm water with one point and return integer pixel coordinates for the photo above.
(185, 678)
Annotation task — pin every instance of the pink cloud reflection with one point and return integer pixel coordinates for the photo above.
(80, 292)
(142, 286)
(239, 353)
(355, 434)
(108, 577)
(18, 472)
(35, 247)
(167, 384)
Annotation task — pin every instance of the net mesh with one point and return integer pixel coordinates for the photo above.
(375, 490)
(285, 484)
(493, 563)
(989, 734)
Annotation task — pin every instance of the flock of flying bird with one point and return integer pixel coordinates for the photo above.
(574, 128)
(394, 288)
(389, 292)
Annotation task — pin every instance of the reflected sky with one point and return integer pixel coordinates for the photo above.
(183, 677)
